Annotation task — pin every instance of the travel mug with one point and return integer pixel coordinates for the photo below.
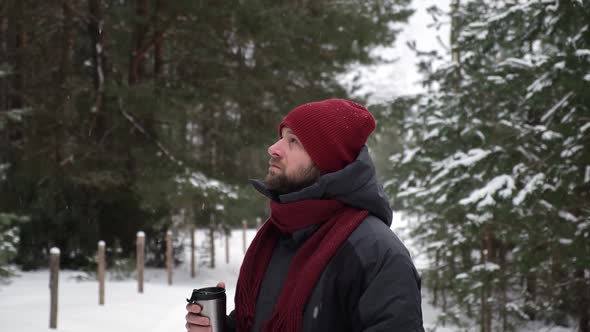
(212, 300)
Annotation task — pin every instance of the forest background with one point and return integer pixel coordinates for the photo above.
(117, 116)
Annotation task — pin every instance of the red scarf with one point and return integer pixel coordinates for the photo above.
(338, 222)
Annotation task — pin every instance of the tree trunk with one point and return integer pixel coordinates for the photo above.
(95, 28)
(62, 111)
(466, 260)
(437, 278)
(454, 34)
(65, 69)
(531, 294)
(3, 33)
(22, 37)
(158, 46)
(137, 57)
(486, 290)
(503, 286)
(559, 275)
(66, 55)
(3, 53)
(583, 301)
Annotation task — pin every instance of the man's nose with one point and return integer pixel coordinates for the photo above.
(275, 149)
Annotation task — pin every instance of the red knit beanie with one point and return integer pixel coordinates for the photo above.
(332, 131)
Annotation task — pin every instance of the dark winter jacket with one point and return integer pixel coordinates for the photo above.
(371, 283)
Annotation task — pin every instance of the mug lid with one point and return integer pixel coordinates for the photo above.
(207, 293)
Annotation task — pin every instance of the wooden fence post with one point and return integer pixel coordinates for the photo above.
(227, 235)
(140, 245)
(193, 260)
(245, 224)
(53, 283)
(212, 248)
(101, 271)
(169, 258)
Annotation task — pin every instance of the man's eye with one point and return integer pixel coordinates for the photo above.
(292, 140)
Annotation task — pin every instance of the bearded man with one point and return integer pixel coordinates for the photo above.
(326, 258)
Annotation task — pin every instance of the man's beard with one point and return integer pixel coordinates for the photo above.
(283, 184)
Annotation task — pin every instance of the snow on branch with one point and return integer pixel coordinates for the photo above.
(409, 155)
(3, 167)
(538, 85)
(555, 107)
(503, 185)
(567, 216)
(487, 266)
(479, 219)
(461, 158)
(473, 28)
(16, 114)
(528, 188)
(569, 152)
(200, 181)
(516, 63)
(146, 134)
(196, 179)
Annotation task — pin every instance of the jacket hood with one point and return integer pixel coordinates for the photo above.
(355, 185)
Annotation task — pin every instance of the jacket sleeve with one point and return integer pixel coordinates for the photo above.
(230, 322)
(387, 295)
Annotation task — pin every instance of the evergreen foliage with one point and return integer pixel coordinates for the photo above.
(149, 114)
(496, 165)
(9, 239)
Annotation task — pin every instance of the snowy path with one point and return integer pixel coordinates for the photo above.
(24, 303)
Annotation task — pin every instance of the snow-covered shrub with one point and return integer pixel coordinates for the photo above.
(9, 239)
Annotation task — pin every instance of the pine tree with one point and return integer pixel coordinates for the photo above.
(118, 116)
(496, 167)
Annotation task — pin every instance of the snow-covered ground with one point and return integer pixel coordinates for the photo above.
(24, 301)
